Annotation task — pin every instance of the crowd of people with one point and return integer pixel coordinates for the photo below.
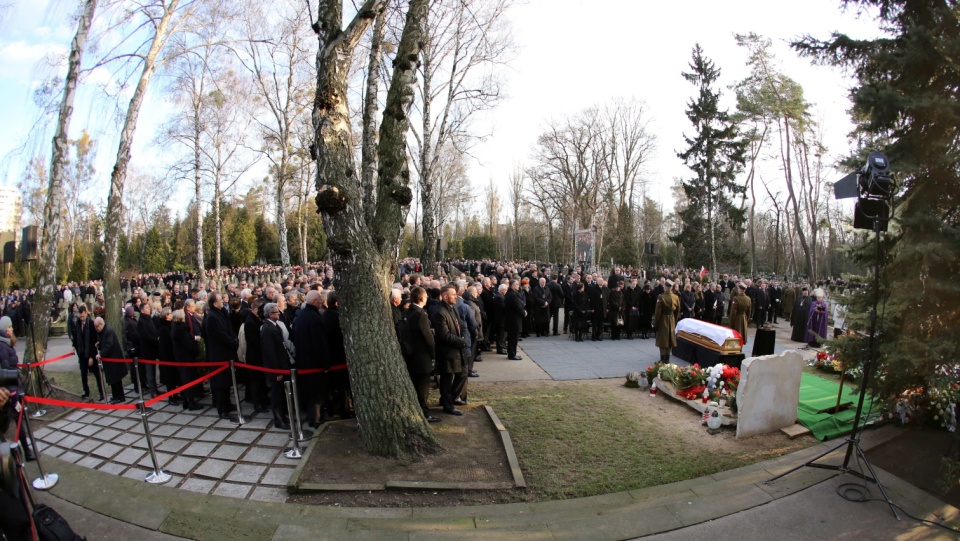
(444, 322)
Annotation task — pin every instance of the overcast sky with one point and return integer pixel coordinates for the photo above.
(572, 54)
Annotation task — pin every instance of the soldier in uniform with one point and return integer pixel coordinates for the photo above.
(740, 307)
(665, 321)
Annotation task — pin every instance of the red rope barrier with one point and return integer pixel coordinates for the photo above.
(46, 361)
(78, 405)
(168, 394)
(167, 363)
(284, 372)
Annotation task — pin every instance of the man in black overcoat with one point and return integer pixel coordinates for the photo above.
(108, 347)
(84, 344)
(221, 345)
(336, 354)
(275, 356)
(149, 337)
(311, 353)
(449, 341)
(514, 313)
(420, 348)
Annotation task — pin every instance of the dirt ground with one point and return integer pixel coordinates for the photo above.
(465, 458)
(915, 457)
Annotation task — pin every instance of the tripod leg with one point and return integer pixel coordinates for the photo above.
(876, 480)
(811, 462)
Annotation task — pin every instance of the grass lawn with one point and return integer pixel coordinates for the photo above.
(580, 440)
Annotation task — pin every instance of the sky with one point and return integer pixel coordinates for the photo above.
(571, 55)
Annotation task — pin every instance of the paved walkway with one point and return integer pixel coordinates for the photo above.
(229, 480)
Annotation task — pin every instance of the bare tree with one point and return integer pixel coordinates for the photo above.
(463, 43)
(492, 207)
(276, 53)
(160, 19)
(364, 252)
(56, 200)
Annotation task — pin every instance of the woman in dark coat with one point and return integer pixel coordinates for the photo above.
(169, 375)
(256, 385)
(615, 306)
(688, 302)
(186, 348)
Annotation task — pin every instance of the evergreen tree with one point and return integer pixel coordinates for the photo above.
(907, 105)
(78, 271)
(240, 248)
(155, 252)
(711, 221)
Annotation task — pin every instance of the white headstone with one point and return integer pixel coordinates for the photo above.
(769, 393)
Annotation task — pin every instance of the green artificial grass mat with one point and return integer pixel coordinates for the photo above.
(818, 397)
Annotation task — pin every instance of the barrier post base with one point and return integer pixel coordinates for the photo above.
(158, 477)
(46, 482)
(39, 413)
(293, 453)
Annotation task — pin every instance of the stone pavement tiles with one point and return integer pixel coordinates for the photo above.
(202, 452)
(564, 359)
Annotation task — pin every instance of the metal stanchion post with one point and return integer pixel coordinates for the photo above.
(103, 379)
(46, 481)
(31, 373)
(295, 451)
(136, 381)
(295, 414)
(236, 394)
(157, 476)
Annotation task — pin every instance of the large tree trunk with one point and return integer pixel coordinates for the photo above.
(362, 253)
(56, 200)
(113, 297)
(786, 154)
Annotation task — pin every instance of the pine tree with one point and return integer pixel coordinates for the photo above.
(715, 154)
(907, 104)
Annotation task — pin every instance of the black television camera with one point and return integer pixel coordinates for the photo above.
(9, 377)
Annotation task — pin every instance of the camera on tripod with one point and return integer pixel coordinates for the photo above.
(873, 186)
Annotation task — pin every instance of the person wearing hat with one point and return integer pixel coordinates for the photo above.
(789, 297)
(740, 307)
(817, 320)
(800, 316)
(665, 320)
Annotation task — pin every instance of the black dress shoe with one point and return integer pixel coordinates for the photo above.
(473, 374)
(459, 402)
(85, 395)
(281, 425)
(432, 419)
(115, 401)
(515, 358)
(478, 360)
(453, 411)
(223, 415)
(501, 352)
(260, 409)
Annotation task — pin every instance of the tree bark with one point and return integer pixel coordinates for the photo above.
(362, 253)
(113, 297)
(56, 200)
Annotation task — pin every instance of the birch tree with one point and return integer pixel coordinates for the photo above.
(161, 19)
(276, 52)
(56, 200)
(364, 251)
(463, 42)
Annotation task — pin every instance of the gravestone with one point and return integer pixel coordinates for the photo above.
(769, 393)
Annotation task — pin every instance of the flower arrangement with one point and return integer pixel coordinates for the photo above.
(652, 371)
(633, 379)
(831, 363)
(668, 372)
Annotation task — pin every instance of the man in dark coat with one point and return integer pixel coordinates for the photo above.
(491, 313)
(801, 311)
(419, 348)
(131, 336)
(275, 356)
(557, 302)
(310, 353)
(541, 300)
(256, 385)
(598, 304)
(450, 341)
(149, 337)
(84, 344)
(108, 347)
(568, 290)
(514, 312)
(615, 309)
(221, 345)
